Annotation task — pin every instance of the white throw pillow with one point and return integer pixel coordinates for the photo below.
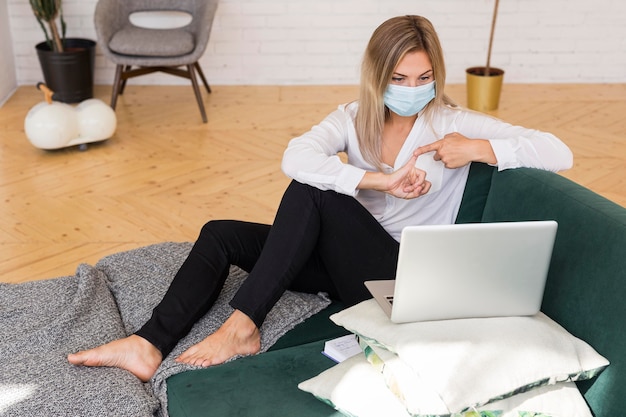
(472, 362)
(356, 388)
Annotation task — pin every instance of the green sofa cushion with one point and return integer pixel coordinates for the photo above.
(315, 328)
(263, 385)
(267, 383)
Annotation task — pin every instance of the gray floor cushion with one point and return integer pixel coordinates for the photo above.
(43, 321)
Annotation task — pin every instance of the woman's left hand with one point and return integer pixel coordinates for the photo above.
(456, 150)
(407, 182)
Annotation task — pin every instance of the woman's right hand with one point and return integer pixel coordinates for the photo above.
(407, 182)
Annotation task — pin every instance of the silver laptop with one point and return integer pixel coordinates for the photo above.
(468, 270)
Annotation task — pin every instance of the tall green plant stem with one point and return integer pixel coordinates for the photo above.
(48, 11)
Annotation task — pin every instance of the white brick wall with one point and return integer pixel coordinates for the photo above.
(7, 67)
(322, 41)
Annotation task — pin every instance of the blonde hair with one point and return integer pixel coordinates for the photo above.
(389, 43)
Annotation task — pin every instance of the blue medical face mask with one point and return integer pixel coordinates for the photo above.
(408, 101)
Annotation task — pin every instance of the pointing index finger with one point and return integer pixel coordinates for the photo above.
(435, 146)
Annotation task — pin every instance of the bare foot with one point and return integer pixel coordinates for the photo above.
(237, 336)
(133, 353)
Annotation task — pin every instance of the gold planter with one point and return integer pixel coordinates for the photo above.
(483, 91)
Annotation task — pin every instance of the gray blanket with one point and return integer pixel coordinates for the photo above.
(41, 322)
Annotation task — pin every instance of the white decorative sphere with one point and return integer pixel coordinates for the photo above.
(96, 120)
(51, 126)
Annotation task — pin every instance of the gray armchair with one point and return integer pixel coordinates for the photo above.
(137, 50)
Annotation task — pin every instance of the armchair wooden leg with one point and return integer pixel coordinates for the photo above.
(124, 78)
(116, 85)
(199, 70)
(196, 90)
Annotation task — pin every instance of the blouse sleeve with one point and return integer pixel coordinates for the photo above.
(516, 146)
(313, 157)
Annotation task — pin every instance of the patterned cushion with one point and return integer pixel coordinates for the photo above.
(468, 363)
(358, 389)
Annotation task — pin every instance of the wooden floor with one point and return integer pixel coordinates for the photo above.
(164, 173)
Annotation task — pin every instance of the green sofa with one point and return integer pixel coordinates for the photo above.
(585, 293)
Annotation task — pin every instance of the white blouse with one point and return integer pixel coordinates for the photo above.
(313, 159)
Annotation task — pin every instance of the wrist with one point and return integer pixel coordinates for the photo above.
(485, 153)
(373, 181)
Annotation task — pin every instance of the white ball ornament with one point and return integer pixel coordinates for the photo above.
(50, 126)
(96, 120)
(53, 125)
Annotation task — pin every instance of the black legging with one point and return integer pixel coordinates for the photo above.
(320, 241)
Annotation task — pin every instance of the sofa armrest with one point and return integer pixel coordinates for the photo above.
(475, 193)
(586, 284)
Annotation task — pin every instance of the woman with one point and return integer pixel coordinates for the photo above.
(338, 224)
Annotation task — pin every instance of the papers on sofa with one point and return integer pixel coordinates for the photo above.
(342, 348)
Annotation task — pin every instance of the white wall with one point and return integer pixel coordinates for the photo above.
(321, 42)
(8, 80)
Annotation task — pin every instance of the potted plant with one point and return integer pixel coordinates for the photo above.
(485, 83)
(67, 63)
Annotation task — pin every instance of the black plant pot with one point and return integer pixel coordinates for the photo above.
(70, 73)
